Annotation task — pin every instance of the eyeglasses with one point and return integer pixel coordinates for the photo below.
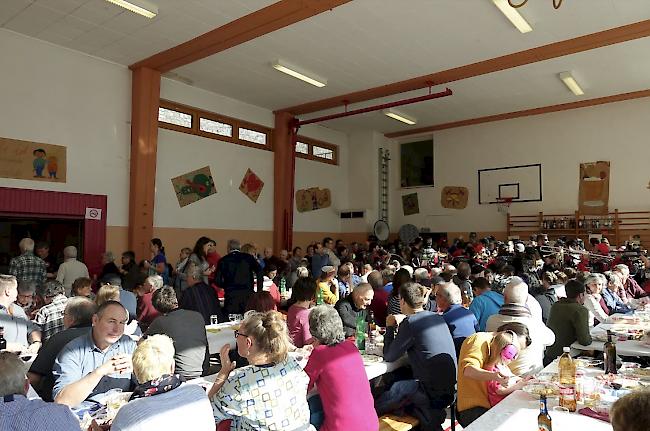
(237, 334)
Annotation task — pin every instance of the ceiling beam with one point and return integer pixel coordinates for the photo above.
(273, 17)
(546, 52)
(525, 113)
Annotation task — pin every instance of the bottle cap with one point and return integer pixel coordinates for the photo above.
(566, 349)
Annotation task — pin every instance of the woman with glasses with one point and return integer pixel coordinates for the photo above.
(271, 392)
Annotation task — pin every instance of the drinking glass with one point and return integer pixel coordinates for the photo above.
(214, 319)
(235, 317)
(560, 409)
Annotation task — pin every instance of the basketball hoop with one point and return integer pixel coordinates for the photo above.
(503, 205)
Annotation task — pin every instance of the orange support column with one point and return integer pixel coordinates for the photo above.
(144, 143)
(284, 168)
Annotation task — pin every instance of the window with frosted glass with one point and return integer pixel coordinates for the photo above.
(252, 136)
(302, 148)
(216, 127)
(174, 117)
(323, 153)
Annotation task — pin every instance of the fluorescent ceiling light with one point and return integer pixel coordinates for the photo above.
(513, 15)
(570, 82)
(140, 7)
(399, 116)
(302, 75)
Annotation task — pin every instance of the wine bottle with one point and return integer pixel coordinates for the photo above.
(609, 352)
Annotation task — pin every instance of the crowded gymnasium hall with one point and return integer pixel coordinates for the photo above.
(335, 215)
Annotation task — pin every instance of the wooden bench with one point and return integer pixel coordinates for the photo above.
(397, 423)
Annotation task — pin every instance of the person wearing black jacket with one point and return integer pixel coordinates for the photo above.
(354, 306)
(236, 274)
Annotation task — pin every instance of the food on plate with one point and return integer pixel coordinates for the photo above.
(540, 388)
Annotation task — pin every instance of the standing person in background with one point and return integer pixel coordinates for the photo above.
(318, 260)
(129, 270)
(333, 260)
(235, 273)
(42, 250)
(71, 269)
(199, 258)
(27, 266)
(213, 260)
(158, 263)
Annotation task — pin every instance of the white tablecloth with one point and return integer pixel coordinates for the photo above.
(624, 348)
(518, 412)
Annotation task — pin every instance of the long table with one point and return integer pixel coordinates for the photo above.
(519, 410)
(224, 333)
(624, 348)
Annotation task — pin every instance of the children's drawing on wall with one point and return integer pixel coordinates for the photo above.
(410, 204)
(454, 197)
(28, 160)
(251, 185)
(194, 186)
(312, 199)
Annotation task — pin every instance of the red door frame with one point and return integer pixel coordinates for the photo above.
(50, 204)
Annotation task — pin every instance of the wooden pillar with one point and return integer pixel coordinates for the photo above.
(145, 99)
(284, 174)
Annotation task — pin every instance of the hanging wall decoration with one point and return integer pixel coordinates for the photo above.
(594, 188)
(410, 204)
(313, 198)
(454, 197)
(251, 185)
(26, 160)
(194, 186)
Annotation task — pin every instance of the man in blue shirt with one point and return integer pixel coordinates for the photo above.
(461, 322)
(485, 302)
(93, 364)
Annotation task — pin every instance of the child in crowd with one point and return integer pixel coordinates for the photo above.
(502, 352)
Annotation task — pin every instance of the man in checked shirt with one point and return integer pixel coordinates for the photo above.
(50, 316)
(27, 266)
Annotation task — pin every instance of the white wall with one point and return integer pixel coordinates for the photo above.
(617, 132)
(58, 96)
(229, 208)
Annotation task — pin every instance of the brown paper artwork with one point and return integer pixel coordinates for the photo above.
(594, 188)
(313, 198)
(454, 197)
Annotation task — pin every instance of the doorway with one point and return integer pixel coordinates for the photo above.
(58, 233)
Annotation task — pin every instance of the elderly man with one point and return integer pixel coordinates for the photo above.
(77, 320)
(50, 316)
(26, 292)
(27, 266)
(186, 328)
(17, 413)
(70, 269)
(355, 306)
(632, 288)
(473, 399)
(461, 322)
(235, 273)
(199, 296)
(19, 331)
(514, 309)
(93, 364)
(424, 336)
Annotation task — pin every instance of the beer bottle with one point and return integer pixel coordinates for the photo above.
(609, 352)
(360, 337)
(543, 419)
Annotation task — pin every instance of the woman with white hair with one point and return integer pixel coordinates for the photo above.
(271, 392)
(160, 401)
(594, 302)
(336, 367)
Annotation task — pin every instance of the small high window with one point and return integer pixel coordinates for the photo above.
(175, 117)
(216, 127)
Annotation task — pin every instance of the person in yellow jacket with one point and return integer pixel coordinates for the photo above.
(327, 285)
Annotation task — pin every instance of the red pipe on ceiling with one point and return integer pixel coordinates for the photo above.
(445, 93)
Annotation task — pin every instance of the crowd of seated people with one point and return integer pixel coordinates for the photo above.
(448, 309)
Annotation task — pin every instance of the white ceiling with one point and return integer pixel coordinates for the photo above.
(363, 44)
